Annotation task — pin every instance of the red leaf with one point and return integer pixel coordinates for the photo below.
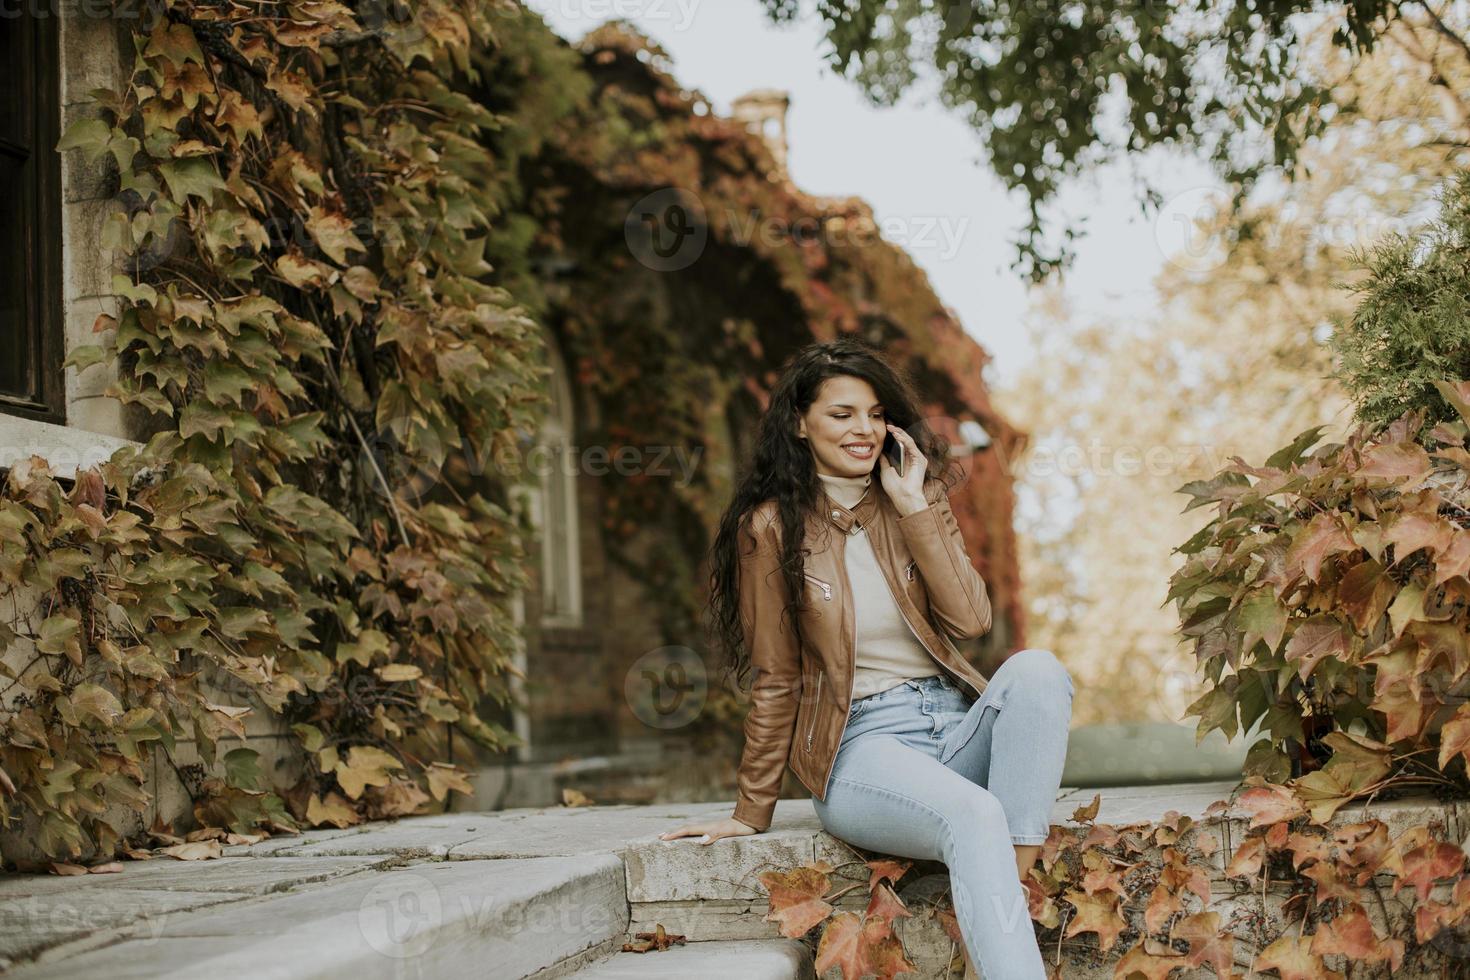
(885, 905)
(1426, 863)
(839, 945)
(1268, 804)
(892, 870)
(1316, 638)
(1320, 538)
(1362, 847)
(1246, 862)
(1352, 935)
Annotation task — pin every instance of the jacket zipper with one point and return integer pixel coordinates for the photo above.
(909, 569)
(812, 729)
(826, 589)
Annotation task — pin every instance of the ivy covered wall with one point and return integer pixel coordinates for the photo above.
(341, 237)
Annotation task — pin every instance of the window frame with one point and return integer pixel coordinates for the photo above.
(558, 435)
(44, 336)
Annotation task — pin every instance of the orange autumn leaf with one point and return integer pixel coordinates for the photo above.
(1322, 537)
(796, 899)
(882, 953)
(1088, 812)
(861, 947)
(1246, 862)
(1430, 918)
(1292, 958)
(657, 941)
(884, 904)
(1269, 804)
(1163, 903)
(892, 870)
(1039, 904)
(1095, 913)
(1329, 883)
(1207, 944)
(1306, 847)
(1426, 863)
(1101, 835)
(1152, 964)
(1362, 847)
(1104, 879)
(950, 924)
(1351, 934)
(1058, 839)
(1179, 875)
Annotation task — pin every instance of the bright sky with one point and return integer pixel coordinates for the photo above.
(918, 165)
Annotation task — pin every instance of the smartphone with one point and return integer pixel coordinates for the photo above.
(893, 449)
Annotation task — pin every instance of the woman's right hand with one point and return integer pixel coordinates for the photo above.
(729, 827)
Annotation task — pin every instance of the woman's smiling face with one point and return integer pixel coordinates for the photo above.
(844, 427)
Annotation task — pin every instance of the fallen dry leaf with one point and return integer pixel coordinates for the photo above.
(110, 868)
(658, 940)
(574, 797)
(201, 850)
(63, 868)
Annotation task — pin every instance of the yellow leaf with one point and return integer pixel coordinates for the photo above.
(201, 850)
(444, 778)
(333, 810)
(365, 766)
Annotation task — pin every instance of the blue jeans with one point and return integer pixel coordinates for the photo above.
(923, 773)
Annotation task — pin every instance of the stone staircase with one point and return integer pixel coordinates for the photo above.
(543, 893)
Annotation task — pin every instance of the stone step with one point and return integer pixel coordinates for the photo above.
(547, 893)
(437, 919)
(779, 959)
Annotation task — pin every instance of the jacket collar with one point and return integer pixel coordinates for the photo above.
(860, 515)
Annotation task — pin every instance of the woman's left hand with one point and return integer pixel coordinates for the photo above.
(907, 491)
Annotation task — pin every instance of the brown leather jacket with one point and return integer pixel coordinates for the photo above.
(800, 698)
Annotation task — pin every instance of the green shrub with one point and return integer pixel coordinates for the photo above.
(1412, 324)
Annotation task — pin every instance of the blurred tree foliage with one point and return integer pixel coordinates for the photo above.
(1237, 358)
(1055, 89)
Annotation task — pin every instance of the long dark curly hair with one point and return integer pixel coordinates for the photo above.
(783, 469)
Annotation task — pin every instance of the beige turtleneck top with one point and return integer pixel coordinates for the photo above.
(886, 649)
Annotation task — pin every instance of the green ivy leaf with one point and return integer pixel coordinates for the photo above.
(137, 292)
(91, 136)
(242, 769)
(192, 176)
(85, 356)
(55, 632)
(97, 703)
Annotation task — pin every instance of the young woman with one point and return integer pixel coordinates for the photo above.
(843, 582)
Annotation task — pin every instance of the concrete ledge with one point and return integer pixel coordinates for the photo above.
(780, 959)
(65, 449)
(436, 919)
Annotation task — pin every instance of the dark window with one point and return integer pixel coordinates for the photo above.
(31, 337)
